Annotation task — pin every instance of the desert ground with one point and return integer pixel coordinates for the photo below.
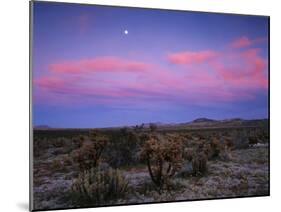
(150, 163)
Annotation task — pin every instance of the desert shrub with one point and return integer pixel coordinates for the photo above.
(253, 140)
(37, 148)
(215, 148)
(62, 150)
(264, 135)
(188, 136)
(225, 154)
(185, 171)
(201, 136)
(88, 155)
(41, 145)
(212, 149)
(97, 187)
(208, 151)
(60, 142)
(57, 165)
(188, 153)
(94, 133)
(67, 160)
(145, 136)
(123, 148)
(60, 145)
(229, 143)
(163, 158)
(240, 139)
(199, 164)
(78, 141)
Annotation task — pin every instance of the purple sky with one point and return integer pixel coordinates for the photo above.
(170, 67)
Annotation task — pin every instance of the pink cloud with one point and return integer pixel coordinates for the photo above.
(244, 42)
(67, 91)
(101, 64)
(197, 77)
(226, 76)
(247, 70)
(54, 83)
(189, 58)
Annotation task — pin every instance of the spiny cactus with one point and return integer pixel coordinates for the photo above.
(207, 149)
(88, 155)
(188, 153)
(215, 147)
(229, 143)
(78, 141)
(97, 187)
(163, 158)
(199, 164)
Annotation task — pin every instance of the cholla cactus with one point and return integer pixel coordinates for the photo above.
(89, 154)
(163, 158)
(229, 143)
(215, 147)
(96, 187)
(78, 141)
(188, 153)
(199, 164)
(207, 149)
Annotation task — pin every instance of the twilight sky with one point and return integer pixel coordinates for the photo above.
(96, 66)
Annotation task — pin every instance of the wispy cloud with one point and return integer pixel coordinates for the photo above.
(199, 77)
(189, 57)
(101, 64)
(244, 42)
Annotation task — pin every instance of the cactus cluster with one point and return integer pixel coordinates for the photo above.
(163, 159)
(88, 155)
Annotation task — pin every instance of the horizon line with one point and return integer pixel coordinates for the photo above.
(133, 125)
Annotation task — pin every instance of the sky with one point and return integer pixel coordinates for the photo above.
(99, 66)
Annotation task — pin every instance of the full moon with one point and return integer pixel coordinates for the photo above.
(126, 32)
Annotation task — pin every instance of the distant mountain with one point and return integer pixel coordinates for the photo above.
(212, 123)
(234, 122)
(200, 120)
(234, 119)
(42, 127)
